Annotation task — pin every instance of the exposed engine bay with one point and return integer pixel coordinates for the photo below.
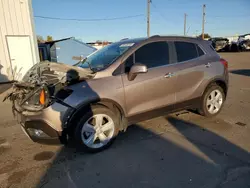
(43, 84)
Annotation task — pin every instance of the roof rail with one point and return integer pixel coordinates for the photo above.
(173, 36)
(124, 39)
(154, 36)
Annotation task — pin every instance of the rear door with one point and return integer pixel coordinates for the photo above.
(192, 64)
(154, 89)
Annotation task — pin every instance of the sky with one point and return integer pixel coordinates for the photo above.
(223, 18)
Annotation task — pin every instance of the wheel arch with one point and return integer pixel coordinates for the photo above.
(220, 82)
(83, 107)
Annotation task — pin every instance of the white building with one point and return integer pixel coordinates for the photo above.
(18, 44)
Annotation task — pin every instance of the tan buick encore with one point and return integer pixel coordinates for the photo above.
(123, 83)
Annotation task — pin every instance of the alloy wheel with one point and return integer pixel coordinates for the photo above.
(97, 131)
(214, 101)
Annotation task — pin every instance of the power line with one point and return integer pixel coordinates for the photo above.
(89, 20)
(158, 11)
(228, 16)
(220, 16)
(188, 30)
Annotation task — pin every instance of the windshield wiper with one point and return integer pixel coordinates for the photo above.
(89, 65)
(84, 61)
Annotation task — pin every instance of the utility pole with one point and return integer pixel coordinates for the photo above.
(185, 21)
(203, 20)
(148, 18)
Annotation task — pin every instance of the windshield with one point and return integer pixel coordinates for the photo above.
(105, 56)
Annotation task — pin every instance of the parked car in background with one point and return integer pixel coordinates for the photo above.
(121, 84)
(242, 44)
(220, 44)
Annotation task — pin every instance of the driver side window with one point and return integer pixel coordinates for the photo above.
(152, 55)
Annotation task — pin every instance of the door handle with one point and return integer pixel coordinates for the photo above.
(208, 65)
(169, 75)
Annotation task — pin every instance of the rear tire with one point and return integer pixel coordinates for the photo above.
(234, 48)
(212, 101)
(97, 129)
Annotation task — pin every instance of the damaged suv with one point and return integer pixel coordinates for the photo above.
(220, 44)
(123, 83)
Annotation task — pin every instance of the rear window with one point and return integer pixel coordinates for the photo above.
(185, 51)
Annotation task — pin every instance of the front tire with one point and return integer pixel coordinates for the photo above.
(97, 129)
(212, 101)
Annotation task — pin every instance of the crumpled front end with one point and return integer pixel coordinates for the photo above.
(38, 101)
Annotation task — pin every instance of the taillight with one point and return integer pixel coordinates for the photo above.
(42, 97)
(224, 62)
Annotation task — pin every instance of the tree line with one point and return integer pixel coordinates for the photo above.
(40, 39)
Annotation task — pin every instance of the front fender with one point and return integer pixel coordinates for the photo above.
(73, 114)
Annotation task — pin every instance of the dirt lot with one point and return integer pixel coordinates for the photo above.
(179, 150)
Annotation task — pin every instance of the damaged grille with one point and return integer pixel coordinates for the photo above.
(25, 96)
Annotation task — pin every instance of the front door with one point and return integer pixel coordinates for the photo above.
(153, 90)
(20, 55)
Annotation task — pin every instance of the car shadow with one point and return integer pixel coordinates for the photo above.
(192, 157)
(208, 139)
(244, 72)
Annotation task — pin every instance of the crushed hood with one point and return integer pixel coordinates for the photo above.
(47, 77)
(51, 72)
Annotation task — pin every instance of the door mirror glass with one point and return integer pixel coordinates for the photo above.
(137, 68)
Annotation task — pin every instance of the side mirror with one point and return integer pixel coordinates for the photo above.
(137, 68)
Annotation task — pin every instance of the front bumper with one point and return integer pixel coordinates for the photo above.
(40, 132)
(45, 126)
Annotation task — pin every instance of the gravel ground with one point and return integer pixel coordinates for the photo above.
(179, 150)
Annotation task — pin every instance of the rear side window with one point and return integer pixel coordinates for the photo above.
(185, 51)
(153, 54)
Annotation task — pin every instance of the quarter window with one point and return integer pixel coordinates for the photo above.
(211, 46)
(200, 51)
(129, 62)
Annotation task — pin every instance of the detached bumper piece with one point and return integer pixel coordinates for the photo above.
(40, 132)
